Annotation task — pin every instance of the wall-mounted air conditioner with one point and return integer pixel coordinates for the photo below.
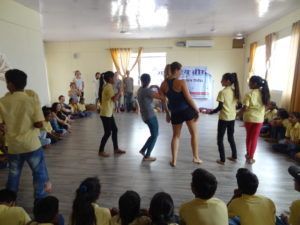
(199, 43)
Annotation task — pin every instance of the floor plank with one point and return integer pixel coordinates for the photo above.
(75, 158)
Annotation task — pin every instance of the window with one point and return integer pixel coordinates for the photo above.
(259, 65)
(151, 63)
(280, 64)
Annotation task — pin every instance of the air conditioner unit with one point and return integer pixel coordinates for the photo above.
(199, 43)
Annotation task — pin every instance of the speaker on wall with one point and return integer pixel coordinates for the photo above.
(238, 43)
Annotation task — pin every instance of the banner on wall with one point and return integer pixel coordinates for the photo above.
(199, 81)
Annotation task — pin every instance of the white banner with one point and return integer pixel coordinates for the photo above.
(199, 81)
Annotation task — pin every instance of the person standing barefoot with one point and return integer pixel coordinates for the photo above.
(183, 109)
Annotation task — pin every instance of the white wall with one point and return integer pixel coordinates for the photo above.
(94, 56)
(21, 42)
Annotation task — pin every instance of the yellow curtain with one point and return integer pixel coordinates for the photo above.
(295, 94)
(253, 47)
(121, 58)
(124, 59)
(270, 40)
(115, 58)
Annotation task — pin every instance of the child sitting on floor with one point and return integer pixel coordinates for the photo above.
(62, 122)
(85, 210)
(82, 108)
(161, 210)
(129, 211)
(46, 212)
(47, 127)
(10, 214)
(270, 115)
(291, 144)
(294, 217)
(247, 208)
(279, 125)
(204, 209)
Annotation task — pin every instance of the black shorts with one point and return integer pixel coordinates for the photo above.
(183, 116)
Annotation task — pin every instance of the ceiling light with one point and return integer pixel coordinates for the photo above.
(239, 36)
(263, 7)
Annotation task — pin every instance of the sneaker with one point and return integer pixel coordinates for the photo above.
(220, 162)
(103, 154)
(119, 151)
(150, 159)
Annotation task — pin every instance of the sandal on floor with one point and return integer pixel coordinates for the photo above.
(197, 161)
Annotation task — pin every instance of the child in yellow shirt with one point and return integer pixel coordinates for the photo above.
(291, 144)
(228, 99)
(294, 216)
(85, 210)
(11, 214)
(253, 113)
(270, 115)
(20, 118)
(204, 209)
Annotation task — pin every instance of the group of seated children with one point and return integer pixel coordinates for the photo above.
(282, 129)
(245, 208)
(58, 119)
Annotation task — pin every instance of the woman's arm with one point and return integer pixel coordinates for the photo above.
(164, 100)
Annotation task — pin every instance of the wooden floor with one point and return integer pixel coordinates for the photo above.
(75, 158)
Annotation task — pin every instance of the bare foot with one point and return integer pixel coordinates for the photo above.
(103, 154)
(172, 164)
(231, 159)
(48, 187)
(150, 159)
(119, 151)
(220, 162)
(197, 161)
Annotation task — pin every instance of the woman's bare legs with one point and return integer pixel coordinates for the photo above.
(175, 142)
(192, 125)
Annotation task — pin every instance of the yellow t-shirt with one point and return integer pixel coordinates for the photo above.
(253, 209)
(205, 212)
(270, 115)
(19, 112)
(228, 111)
(255, 109)
(142, 220)
(13, 215)
(294, 218)
(47, 126)
(285, 123)
(107, 105)
(74, 108)
(81, 107)
(293, 132)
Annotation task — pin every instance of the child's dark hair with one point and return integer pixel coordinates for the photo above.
(262, 84)
(7, 196)
(233, 79)
(129, 206)
(54, 106)
(204, 184)
(161, 209)
(61, 96)
(145, 79)
(296, 114)
(247, 181)
(46, 112)
(83, 211)
(273, 104)
(46, 210)
(17, 77)
(282, 113)
(175, 66)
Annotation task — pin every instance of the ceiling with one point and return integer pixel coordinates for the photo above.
(130, 19)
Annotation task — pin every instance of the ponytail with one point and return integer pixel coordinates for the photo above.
(101, 80)
(262, 84)
(233, 79)
(265, 92)
(83, 211)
